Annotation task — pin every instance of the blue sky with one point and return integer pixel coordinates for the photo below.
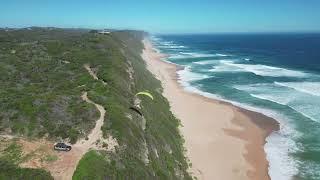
(166, 16)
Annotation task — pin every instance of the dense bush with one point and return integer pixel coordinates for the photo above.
(39, 91)
(11, 171)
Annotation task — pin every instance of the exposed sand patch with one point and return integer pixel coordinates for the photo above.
(93, 74)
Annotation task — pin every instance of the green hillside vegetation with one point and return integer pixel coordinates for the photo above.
(39, 93)
(42, 78)
(11, 171)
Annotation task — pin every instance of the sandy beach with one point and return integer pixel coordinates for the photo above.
(222, 141)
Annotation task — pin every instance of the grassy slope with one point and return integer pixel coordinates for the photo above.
(11, 171)
(40, 94)
(161, 135)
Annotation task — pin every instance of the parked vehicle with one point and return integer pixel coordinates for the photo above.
(62, 147)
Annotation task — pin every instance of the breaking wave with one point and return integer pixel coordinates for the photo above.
(260, 70)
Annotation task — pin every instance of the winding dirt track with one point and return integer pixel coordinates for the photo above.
(64, 167)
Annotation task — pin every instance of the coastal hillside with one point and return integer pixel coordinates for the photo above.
(78, 86)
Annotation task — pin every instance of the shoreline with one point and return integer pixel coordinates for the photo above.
(214, 129)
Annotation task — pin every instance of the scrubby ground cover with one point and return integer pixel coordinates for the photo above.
(42, 77)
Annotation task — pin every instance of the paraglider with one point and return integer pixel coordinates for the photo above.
(137, 107)
(145, 93)
(136, 110)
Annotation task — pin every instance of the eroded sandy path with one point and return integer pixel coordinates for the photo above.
(93, 74)
(65, 166)
(96, 132)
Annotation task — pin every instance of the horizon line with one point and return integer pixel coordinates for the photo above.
(169, 33)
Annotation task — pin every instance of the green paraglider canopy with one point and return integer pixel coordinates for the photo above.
(145, 93)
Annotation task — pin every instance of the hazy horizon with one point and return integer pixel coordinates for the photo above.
(166, 17)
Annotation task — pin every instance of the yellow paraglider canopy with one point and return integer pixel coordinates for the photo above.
(145, 93)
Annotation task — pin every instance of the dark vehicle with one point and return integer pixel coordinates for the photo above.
(62, 147)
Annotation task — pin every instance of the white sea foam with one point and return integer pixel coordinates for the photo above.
(264, 70)
(186, 55)
(281, 165)
(186, 75)
(308, 110)
(221, 55)
(283, 100)
(261, 70)
(178, 56)
(206, 62)
(203, 62)
(167, 44)
(312, 88)
(306, 104)
(224, 67)
(172, 46)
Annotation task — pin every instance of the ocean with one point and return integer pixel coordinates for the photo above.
(275, 74)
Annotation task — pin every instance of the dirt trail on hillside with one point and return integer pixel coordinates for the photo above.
(93, 74)
(96, 133)
(65, 166)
